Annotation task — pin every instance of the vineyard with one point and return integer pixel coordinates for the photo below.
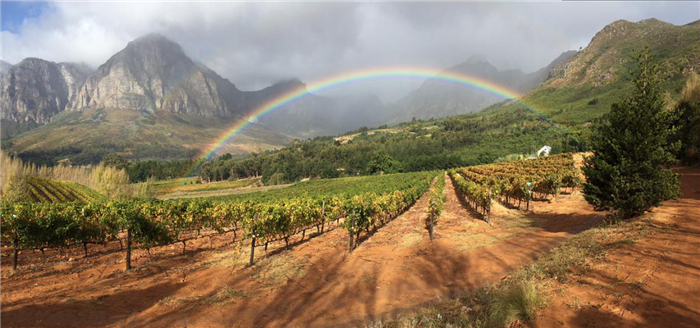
(51, 191)
(515, 182)
(364, 204)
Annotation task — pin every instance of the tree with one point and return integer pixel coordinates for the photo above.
(115, 160)
(628, 172)
(383, 163)
(688, 123)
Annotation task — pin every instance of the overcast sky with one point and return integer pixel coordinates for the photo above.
(257, 44)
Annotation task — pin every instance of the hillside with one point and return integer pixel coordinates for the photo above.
(582, 89)
(84, 137)
(468, 139)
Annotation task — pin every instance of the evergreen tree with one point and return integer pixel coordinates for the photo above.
(628, 172)
(688, 122)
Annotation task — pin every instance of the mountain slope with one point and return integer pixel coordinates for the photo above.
(4, 67)
(153, 74)
(438, 99)
(147, 101)
(581, 90)
(314, 115)
(36, 89)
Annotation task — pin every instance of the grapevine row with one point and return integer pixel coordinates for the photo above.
(153, 223)
(437, 199)
(517, 180)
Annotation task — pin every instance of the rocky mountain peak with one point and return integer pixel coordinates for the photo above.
(35, 90)
(153, 73)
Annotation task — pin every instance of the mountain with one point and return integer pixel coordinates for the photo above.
(149, 100)
(314, 115)
(580, 90)
(153, 74)
(4, 67)
(35, 90)
(436, 98)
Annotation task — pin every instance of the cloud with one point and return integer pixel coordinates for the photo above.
(257, 44)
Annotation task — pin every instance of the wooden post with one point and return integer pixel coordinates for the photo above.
(323, 216)
(431, 226)
(128, 249)
(16, 252)
(352, 227)
(488, 210)
(252, 250)
(252, 243)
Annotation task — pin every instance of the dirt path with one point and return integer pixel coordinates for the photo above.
(316, 283)
(653, 282)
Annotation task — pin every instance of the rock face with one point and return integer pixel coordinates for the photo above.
(608, 57)
(35, 90)
(435, 98)
(154, 74)
(4, 67)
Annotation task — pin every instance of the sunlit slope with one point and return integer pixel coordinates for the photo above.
(582, 89)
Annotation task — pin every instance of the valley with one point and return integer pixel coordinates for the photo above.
(349, 164)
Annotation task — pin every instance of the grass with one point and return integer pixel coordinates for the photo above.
(517, 302)
(517, 298)
(277, 270)
(223, 296)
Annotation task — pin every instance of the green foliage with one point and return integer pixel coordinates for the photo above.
(275, 179)
(383, 163)
(470, 139)
(115, 160)
(268, 217)
(437, 199)
(140, 171)
(628, 171)
(688, 122)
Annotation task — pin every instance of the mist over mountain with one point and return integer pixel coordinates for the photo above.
(314, 115)
(436, 98)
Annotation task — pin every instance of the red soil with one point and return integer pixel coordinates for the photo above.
(313, 283)
(654, 282)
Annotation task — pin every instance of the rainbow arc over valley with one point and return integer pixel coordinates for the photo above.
(353, 77)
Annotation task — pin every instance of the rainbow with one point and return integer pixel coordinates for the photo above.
(353, 77)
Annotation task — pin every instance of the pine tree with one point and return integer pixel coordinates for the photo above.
(628, 172)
